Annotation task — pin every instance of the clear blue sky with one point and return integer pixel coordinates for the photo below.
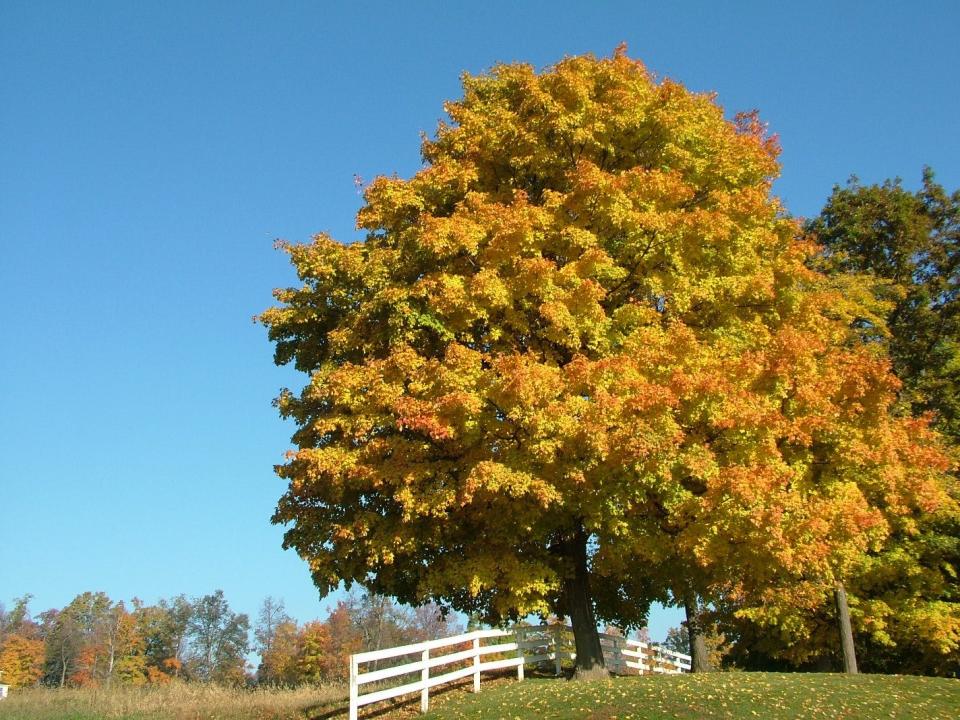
(151, 152)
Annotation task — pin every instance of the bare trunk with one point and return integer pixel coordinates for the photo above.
(846, 630)
(376, 663)
(210, 654)
(579, 603)
(110, 661)
(63, 667)
(112, 648)
(699, 662)
(178, 655)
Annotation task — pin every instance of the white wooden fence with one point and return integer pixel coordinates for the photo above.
(544, 645)
(621, 655)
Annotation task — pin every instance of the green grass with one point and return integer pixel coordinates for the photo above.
(770, 696)
(767, 696)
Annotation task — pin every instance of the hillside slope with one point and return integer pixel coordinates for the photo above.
(771, 696)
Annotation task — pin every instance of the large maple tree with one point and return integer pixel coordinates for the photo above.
(579, 363)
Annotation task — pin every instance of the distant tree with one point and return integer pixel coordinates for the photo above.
(279, 659)
(346, 638)
(429, 622)
(128, 646)
(21, 660)
(63, 641)
(271, 615)
(378, 620)
(320, 659)
(678, 640)
(93, 641)
(91, 612)
(163, 628)
(908, 244)
(13, 621)
(114, 636)
(715, 644)
(218, 640)
(474, 622)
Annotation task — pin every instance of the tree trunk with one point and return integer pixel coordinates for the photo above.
(112, 647)
(381, 610)
(110, 661)
(846, 630)
(579, 604)
(699, 662)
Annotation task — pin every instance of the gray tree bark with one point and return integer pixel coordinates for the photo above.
(846, 630)
(700, 662)
(579, 602)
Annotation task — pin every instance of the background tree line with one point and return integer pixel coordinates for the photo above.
(95, 641)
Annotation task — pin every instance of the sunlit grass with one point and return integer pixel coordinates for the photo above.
(720, 695)
(688, 697)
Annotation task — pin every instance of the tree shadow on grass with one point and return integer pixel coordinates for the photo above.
(408, 706)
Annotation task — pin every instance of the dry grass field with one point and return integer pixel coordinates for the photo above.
(176, 701)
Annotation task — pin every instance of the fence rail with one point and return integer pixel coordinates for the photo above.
(522, 646)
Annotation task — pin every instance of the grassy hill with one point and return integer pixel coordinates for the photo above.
(767, 696)
(771, 696)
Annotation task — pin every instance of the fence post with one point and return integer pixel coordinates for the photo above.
(476, 664)
(519, 635)
(424, 677)
(557, 636)
(354, 688)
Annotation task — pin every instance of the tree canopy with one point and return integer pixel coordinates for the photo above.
(908, 243)
(894, 254)
(580, 362)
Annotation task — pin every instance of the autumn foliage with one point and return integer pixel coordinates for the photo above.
(580, 362)
(894, 255)
(21, 659)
